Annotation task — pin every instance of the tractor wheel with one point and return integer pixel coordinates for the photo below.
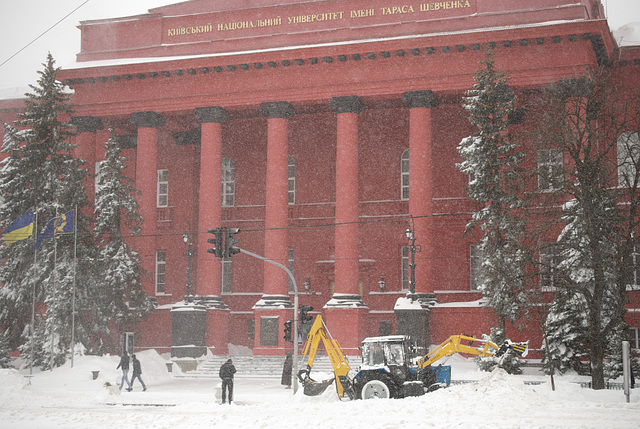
(375, 389)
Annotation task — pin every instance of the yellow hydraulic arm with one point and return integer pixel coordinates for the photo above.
(454, 344)
(339, 362)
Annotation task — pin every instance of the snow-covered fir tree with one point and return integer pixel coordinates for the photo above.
(491, 159)
(569, 330)
(40, 175)
(121, 297)
(567, 343)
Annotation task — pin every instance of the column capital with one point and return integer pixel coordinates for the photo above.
(147, 119)
(348, 104)
(87, 124)
(277, 109)
(215, 114)
(425, 98)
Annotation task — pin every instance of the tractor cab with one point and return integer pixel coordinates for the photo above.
(379, 352)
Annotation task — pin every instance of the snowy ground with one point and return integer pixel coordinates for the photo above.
(69, 398)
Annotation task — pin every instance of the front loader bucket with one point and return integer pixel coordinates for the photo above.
(312, 387)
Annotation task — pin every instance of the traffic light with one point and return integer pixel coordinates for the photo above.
(304, 317)
(287, 331)
(229, 242)
(216, 241)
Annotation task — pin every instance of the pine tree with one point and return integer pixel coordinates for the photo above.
(568, 323)
(491, 158)
(565, 328)
(41, 175)
(121, 297)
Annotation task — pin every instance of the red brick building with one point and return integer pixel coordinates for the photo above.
(322, 130)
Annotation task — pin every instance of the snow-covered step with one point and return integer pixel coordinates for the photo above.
(253, 366)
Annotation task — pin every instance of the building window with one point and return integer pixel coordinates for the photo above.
(475, 265)
(405, 267)
(292, 180)
(404, 176)
(634, 338)
(628, 158)
(549, 261)
(163, 188)
(128, 342)
(290, 264)
(161, 265)
(549, 169)
(634, 268)
(227, 275)
(251, 329)
(228, 183)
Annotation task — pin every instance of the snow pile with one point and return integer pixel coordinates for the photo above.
(69, 398)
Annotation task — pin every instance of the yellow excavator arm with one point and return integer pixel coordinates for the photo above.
(338, 360)
(454, 344)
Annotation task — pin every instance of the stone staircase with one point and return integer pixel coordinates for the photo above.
(255, 366)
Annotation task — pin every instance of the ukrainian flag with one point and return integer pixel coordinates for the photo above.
(20, 229)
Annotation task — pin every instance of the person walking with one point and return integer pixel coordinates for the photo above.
(137, 371)
(286, 371)
(124, 364)
(227, 370)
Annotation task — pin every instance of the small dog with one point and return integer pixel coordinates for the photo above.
(113, 389)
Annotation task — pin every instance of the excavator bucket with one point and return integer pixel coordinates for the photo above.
(312, 387)
(315, 388)
(520, 349)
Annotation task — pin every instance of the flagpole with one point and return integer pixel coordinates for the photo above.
(33, 291)
(55, 274)
(73, 298)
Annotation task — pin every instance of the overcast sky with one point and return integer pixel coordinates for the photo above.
(22, 21)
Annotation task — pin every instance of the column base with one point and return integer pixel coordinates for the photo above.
(273, 302)
(345, 301)
(211, 302)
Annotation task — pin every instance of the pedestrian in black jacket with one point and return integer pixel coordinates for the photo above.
(227, 370)
(286, 371)
(124, 364)
(137, 371)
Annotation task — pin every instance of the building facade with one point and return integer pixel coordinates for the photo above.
(323, 130)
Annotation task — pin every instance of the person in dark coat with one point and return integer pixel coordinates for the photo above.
(124, 364)
(137, 371)
(286, 371)
(227, 370)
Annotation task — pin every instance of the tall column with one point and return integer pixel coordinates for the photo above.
(210, 216)
(87, 126)
(420, 104)
(346, 313)
(414, 320)
(275, 306)
(210, 195)
(146, 182)
(277, 202)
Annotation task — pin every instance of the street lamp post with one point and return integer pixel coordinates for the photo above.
(410, 233)
(188, 253)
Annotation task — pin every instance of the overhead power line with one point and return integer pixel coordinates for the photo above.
(43, 33)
